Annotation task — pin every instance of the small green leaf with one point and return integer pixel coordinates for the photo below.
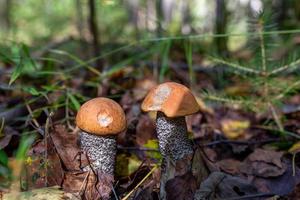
(74, 101)
(32, 91)
(24, 145)
(3, 158)
(16, 72)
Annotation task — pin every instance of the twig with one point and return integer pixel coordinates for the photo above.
(238, 142)
(276, 117)
(46, 145)
(293, 164)
(251, 196)
(285, 67)
(236, 66)
(136, 148)
(2, 126)
(37, 125)
(279, 131)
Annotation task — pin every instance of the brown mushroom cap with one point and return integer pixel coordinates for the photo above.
(173, 99)
(101, 116)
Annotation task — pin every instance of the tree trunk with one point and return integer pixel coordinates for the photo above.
(80, 27)
(159, 18)
(220, 27)
(94, 32)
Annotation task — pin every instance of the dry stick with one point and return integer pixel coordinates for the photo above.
(136, 148)
(84, 183)
(251, 196)
(67, 113)
(238, 142)
(94, 31)
(276, 117)
(31, 115)
(141, 182)
(2, 126)
(46, 146)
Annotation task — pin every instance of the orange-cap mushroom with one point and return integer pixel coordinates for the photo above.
(173, 102)
(100, 119)
(101, 116)
(173, 99)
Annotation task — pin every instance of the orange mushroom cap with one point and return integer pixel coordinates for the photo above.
(173, 99)
(101, 116)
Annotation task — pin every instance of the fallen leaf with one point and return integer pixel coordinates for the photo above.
(295, 148)
(145, 130)
(42, 165)
(181, 187)
(221, 186)
(229, 166)
(264, 163)
(67, 147)
(199, 169)
(8, 134)
(234, 129)
(280, 185)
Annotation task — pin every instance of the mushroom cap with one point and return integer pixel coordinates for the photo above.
(173, 99)
(101, 116)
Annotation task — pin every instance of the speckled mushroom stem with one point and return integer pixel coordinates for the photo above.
(101, 151)
(173, 138)
(175, 147)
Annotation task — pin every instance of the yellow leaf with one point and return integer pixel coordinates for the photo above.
(153, 144)
(295, 148)
(28, 161)
(234, 129)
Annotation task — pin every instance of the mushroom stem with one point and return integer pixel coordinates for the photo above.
(101, 151)
(175, 147)
(172, 136)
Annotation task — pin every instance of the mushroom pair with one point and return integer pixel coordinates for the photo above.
(100, 119)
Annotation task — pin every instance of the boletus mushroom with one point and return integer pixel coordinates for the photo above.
(100, 120)
(173, 102)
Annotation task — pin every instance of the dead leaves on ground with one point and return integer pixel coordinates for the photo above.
(270, 171)
(60, 162)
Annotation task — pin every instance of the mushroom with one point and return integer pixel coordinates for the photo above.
(100, 120)
(173, 102)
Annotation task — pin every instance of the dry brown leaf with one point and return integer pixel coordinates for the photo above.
(264, 163)
(145, 130)
(229, 166)
(67, 147)
(42, 171)
(181, 187)
(221, 186)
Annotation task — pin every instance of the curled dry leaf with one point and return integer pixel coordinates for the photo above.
(280, 185)
(229, 166)
(8, 134)
(67, 147)
(264, 163)
(221, 186)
